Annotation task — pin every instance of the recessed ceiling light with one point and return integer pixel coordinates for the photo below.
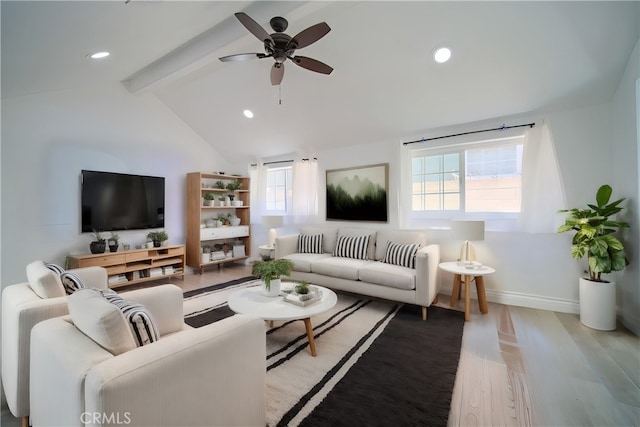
(442, 54)
(248, 114)
(98, 55)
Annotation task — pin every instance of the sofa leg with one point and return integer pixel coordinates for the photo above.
(424, 313)
(25, 421)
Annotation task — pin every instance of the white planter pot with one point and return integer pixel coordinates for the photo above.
(274, 288)
(598, 304)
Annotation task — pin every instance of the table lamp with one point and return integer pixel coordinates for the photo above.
(272, 222)
(467, 230)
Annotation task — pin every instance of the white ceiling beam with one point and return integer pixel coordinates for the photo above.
(201, 50)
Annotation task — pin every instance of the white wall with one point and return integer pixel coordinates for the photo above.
(625, 139)
(534, 270)
(47, 139)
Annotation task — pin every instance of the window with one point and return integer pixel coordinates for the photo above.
(482, 176)
(278, 191)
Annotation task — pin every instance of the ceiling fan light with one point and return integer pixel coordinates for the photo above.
(248, 114)
(441, 54)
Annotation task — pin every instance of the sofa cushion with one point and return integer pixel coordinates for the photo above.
(310, 244)
(344, 268)
(400, 254)
(302, 262)
(394, 276)
(101, 321)
(397, 236)
(44, 281)
(71, 282)
(329, 236)
(352, 247)
(138, 318)
(115, 324)
(371, 248)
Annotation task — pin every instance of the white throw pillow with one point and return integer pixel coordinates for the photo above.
(101, 321)
(44, 282)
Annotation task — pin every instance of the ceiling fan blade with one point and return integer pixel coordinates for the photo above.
(312, 64)
(242, 57)
(253, 27)
(310, 35)
(277, 73)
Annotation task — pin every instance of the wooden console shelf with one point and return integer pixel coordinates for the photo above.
(137, 265)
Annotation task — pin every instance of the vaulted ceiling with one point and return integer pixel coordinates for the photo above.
(508, 58)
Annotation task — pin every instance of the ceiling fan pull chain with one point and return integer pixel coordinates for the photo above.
(279, 94)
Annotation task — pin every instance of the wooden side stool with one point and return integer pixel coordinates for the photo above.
(470, 275)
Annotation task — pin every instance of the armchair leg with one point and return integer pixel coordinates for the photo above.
(424, 313)
(25, 421)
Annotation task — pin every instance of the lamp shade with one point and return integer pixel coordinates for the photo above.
(467, 230)
(272, 221)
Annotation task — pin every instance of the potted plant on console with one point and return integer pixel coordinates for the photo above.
(99, 245)
(157, 237)
(270, 273)
(605, 253)
(113, 242)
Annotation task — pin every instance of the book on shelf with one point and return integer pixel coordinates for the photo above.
(119, 278)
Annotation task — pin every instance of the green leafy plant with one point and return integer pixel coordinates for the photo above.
(114, 237)
(234, 185)
(220, 185)
(157, 237)
(594, 235)
(98, 236)
(271, 270)
(302, 287)
(209, 196)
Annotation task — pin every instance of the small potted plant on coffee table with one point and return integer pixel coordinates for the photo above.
(270, 272)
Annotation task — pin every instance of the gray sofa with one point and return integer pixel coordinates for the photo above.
(371, 276)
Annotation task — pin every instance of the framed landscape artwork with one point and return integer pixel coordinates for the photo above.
(358, 194)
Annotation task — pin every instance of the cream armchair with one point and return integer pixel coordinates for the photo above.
(209, 376)
(23, 306)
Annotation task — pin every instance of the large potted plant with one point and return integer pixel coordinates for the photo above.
(270, 273)
(594, 240)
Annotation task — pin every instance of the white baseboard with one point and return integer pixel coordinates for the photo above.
(630, 322)
(534, 301)
(529, 301)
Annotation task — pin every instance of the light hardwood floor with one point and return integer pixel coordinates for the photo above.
(523, 367)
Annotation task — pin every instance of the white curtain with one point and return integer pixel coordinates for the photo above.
(258, 176)
(542, 189)
(305, 190)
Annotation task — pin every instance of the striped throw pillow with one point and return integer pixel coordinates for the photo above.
(352, 247)
(71, 282)
(140, 321)
(54, 267)
(401, 254)
(310, 244)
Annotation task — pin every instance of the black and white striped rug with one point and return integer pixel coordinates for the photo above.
(378, 363)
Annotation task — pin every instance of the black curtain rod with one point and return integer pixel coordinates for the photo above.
(503, 127)
(283, 161)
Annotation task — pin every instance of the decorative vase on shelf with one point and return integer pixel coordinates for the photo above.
(273, 290)
(227, 201)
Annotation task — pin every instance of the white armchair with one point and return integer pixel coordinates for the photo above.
(209, 376)
(23, 306)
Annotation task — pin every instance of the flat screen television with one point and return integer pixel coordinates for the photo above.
(117, 201)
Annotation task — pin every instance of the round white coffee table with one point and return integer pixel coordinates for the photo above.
(470, 274)
(251, 301)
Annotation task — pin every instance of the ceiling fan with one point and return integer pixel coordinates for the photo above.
(281, 46)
